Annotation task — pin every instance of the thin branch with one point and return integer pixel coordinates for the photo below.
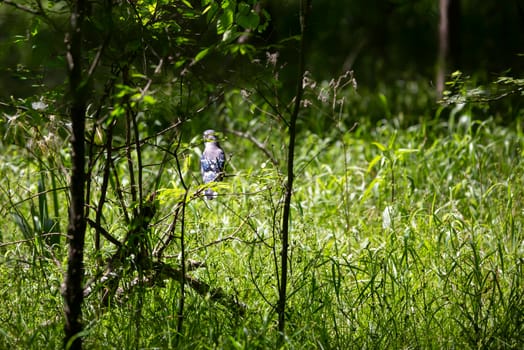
(32, 239)
(273, 107)
(129, 142)
(256, 142)
(202, 288)
(180, 312)
(103, 232)
(22, 7)
(38, 194)
(163, 244)
(41, 12)
(138, 151)
(105, 183)
(232, 236)
(107, 165)
(119, 192)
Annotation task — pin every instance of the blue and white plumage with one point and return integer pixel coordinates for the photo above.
(212, 162)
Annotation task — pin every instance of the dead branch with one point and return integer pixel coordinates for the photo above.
(257, 143)
(165, 271)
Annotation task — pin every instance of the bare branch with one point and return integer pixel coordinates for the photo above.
(32, 239)
(104, 233)
(22, 7)
(256, 142)
(202, 288)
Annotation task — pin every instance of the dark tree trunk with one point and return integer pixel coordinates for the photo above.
(449, 40)
(455, 49)
(443, 45)
(72, 290)
(282, 293)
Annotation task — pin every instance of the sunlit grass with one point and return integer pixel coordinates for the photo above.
(399, 239)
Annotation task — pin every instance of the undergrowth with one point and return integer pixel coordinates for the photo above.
(400, 238)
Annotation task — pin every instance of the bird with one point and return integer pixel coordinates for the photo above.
(212, 162)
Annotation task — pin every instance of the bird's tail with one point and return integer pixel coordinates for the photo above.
(210, 194)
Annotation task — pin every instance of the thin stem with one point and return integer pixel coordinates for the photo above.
(281, 305)
(181, 302)
(105, 183)
(129, 128)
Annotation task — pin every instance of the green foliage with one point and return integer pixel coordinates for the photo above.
(405, 232)
(505, 91)
(33, 197)
(437, 264)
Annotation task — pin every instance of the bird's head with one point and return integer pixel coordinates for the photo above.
(210, 136)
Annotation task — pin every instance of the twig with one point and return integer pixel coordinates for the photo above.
(119, 192)
(256, 142)
(104, 233)
(202, 288)
(32, 239)
(22, 7)
(218, 241)
(162, 245)
(39, 194)
(181, 300)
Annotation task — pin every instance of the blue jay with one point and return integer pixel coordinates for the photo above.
(212, 162)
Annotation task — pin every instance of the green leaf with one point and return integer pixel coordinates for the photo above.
(250, 21)
(23, 225)
(376, 181)
(405, 151)
(244, 8)
(187, 3)
(118, 111)
(180, 63)
(165, 195)
(380, 146)
(208, 7)
(225, 21)
(247, 18)
(246, 49)
(373, 162)
(148, 99)
(202, 54)
(228, 36)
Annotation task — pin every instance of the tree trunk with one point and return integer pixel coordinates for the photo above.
(454, 52)
(449, 41)
(72, 289)
(282, 293)
(443, 45)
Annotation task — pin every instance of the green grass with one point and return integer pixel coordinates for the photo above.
(400, 238)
